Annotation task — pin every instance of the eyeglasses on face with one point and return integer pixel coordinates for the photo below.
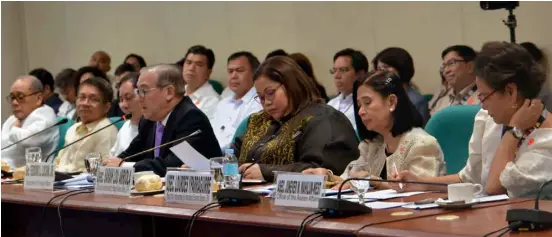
(269, 95)
(19, 97)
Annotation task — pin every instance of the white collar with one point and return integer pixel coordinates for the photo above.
(200, 91)
(248, 96)
(342, 97)
(164, 121)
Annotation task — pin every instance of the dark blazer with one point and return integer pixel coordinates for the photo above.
(185, 119)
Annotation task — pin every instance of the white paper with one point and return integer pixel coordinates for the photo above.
(388, 194)
(298, 190)
(330, 192)
(189, 156)
(384, 205)
(494, 198)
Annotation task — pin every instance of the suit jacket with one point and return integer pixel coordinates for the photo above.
(185, 119)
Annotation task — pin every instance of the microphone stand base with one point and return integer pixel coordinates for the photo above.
(337, 208)
(237, 197)
(531, 219)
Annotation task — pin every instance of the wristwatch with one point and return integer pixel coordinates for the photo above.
(516, 132)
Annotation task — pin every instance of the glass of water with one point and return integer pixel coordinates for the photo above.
(92, 162)
(33, 155)
(360, 187)
(216, 167)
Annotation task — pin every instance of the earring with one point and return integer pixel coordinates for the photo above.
(391, 109)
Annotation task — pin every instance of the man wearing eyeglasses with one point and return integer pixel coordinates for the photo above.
(30, 116)
(457, 69)
(168, 115)
(349, 64)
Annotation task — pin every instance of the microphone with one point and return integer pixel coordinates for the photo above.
(335, 208)
(63, 121)
(128, 116)
(530, 219)
(162, 145)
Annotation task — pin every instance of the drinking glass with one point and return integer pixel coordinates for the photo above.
(92, 162)
(360, 187)
(33, 155)
(216, 167)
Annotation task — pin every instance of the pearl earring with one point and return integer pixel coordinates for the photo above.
(391, 109)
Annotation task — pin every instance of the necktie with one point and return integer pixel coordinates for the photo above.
(158, 137)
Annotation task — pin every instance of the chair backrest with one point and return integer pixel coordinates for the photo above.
(217, 86)
(453, 127)
(241, 129)
(63, 130)
(119, 124)
(428, 97)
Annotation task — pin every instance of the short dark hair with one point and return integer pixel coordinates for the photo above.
(501, 63)
(359, 60)
(103, 86)
(131, 77)
(405, 116)
(399, 59)
(44, 76)
(89, 69)
(276, 52)
(140, 59)
(465, 52)
(533, 50)
(253, 61)
(66, 78)
(299, 88)
(202, 50)
(125, 67)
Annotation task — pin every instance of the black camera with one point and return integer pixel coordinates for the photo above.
(489, 5)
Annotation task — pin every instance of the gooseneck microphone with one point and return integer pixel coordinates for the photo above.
(128, 116)
(63, 121)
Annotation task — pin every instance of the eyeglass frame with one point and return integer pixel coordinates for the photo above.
(145, 91)
(481, 100)
(272, 95)
(19, 99)
(451, 63)
(340, 69)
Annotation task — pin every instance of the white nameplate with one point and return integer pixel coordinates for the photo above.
(39, 176)
(298, 190)
(189, 187)
(114, 180)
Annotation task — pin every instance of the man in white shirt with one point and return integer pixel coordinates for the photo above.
(349, 64)
(30, 116)
(129, 104)
(197, 68)
(231, 111)
(67, 83)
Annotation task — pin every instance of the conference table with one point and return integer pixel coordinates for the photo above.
(89, 214)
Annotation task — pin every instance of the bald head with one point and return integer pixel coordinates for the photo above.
(25, 96)
(101, 60)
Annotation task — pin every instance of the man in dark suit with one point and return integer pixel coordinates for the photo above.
(168, 115)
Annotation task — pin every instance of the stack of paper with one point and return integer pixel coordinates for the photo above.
(475, 200)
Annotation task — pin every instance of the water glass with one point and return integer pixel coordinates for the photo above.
(360, 187)
(92, 162)
(33, 155)
(216, 167)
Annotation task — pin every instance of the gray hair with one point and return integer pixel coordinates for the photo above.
(36, 85)
(168, 75)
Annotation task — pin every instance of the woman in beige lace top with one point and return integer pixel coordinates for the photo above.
(391, 134)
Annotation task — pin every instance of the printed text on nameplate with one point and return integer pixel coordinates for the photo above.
(114, 180)
(189, 187)
(299, 190)
(39, 176)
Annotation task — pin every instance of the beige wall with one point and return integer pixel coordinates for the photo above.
(64, 34)
(14, 56)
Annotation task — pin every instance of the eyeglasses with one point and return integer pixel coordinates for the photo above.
(91, 99)
(142, 92)
(341, 69)
(482, 99)
(268, 95)
(451, 63)
(20, 97)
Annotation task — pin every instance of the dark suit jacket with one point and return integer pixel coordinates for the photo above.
(185, 119)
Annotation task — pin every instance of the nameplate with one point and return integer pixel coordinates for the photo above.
(189, 187)
(298, 190)
(39, 176)
(116, 181)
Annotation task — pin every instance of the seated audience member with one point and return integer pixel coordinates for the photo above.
(129, 104)
(121, 71)
(458, 71)
(399, 61)
(296, 130)
(440, 93)
(30, 116)
(49, 96)
(348, 65)
(198, 65)
(135, 60)
(306, 65)
(89, 72)
(67, 85)
(168, 115)
(101, 60)
(93, 101)
(230, 112)
(545, 94)
(388, 138)
(276, 52)
(511, 144)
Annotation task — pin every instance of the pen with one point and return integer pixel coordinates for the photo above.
(397, 172)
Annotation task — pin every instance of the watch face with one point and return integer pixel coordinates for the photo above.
(517, 133)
